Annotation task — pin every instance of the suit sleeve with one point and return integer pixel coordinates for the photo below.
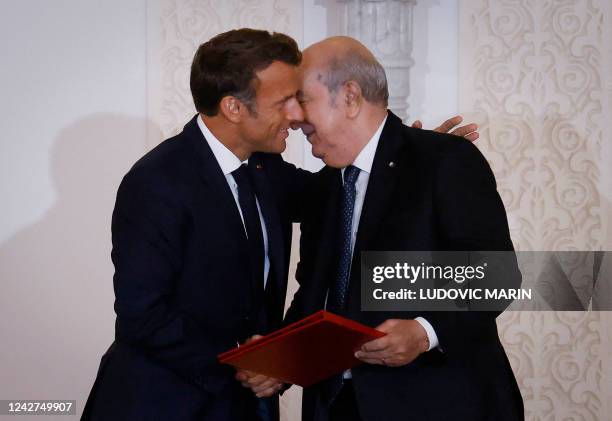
(309, 225)
(471, 217)
(295, 182)
(147, 230)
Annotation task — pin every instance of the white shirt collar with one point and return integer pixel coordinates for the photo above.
(365, 159)
(226, 158)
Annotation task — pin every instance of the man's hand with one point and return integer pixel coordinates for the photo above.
(405, 340)
(468, 131)
(262, 386)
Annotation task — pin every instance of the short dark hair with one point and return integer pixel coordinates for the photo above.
(226, 65)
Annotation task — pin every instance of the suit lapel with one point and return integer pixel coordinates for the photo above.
(381, 183)
(211, 174)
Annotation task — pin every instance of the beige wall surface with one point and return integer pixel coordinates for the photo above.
(73, 120)
(537, 77)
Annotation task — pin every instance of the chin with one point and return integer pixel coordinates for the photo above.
(279, 147)
(326, 160)
(316, 152)
(330, 161)
(333, 164)
(319, 155)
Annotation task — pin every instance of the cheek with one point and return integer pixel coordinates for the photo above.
(317, 117)
(277, 121)
(330, 129)
(265, 125)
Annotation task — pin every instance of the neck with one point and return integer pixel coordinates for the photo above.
(228, 134)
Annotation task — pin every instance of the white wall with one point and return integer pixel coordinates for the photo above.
(73, 119)
(434, 80)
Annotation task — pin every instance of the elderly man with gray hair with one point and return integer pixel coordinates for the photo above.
(387, 186)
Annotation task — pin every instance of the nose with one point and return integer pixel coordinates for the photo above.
(295, 114)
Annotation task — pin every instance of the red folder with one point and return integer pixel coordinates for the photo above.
(304, 352)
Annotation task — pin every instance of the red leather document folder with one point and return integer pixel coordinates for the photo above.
(304, 352)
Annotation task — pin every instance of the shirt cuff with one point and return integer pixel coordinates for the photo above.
(431, 333)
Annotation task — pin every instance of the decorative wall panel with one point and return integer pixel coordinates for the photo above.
(535, 75)
(185, 24)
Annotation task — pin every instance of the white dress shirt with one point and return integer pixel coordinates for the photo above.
(364, 162)
(228, 163)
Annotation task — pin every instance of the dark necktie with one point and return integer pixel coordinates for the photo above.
(248, 206)
(252, 223)
(336, 299)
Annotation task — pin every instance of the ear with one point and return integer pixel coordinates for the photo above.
(231, 108)
(353, 98)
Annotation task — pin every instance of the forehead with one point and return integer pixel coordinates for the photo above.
(313, 67)
(277, 81)
(311, 79)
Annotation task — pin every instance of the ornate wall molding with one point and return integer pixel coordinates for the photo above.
(534, 75)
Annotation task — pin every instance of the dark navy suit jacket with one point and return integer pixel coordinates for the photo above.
(184, 291)
(438, 194)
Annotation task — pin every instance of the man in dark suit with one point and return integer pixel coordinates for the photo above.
(387, 186)
(201, 242)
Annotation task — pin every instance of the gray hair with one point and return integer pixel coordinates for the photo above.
(363, 69)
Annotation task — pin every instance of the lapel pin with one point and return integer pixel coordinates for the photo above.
(391, 164)
(259, 166)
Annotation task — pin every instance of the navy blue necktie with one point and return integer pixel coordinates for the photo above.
(336, 299)
(252, 223)
(248, 205)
